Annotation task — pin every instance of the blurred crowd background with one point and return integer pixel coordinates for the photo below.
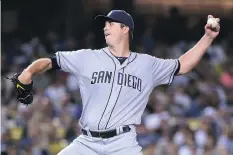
(193, 116)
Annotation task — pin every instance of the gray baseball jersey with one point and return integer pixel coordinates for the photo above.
(114, 94)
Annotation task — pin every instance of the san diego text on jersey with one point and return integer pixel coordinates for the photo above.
(122, 79)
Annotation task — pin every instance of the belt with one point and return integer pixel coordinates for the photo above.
(106, 134)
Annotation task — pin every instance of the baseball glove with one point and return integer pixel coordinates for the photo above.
(24, 93)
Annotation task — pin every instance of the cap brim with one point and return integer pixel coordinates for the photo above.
(104, 18)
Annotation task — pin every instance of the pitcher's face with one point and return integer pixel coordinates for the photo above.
(113, 33)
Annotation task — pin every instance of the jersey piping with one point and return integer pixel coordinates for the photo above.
(111, 88)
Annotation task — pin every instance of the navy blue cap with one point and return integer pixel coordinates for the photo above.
(118, 16)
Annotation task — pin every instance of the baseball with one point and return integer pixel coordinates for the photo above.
(212, 22)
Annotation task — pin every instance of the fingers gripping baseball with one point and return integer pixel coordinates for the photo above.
(212, 27)
(213, 23)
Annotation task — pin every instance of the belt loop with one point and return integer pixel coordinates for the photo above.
(121, 129)
(117, 131)
(89, 133)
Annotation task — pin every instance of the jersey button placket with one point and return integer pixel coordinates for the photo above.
(116, 86)
(115, 95)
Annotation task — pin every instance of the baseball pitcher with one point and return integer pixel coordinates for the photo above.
(115, 84)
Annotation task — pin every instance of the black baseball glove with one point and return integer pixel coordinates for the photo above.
(24, 93)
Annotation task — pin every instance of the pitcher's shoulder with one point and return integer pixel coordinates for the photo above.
(99, 51)
(89, 52)
(144, 56)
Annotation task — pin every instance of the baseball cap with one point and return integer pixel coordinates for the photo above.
(119, 16)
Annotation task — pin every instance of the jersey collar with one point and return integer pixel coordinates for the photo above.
(130, 59)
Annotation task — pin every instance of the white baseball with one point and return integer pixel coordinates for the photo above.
(212, 22)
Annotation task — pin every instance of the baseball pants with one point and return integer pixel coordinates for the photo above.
(123, 144)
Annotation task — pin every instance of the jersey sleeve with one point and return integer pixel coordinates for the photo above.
(72, 61)
(164, 70)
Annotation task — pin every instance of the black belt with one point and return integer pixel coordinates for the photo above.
(106, 134)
